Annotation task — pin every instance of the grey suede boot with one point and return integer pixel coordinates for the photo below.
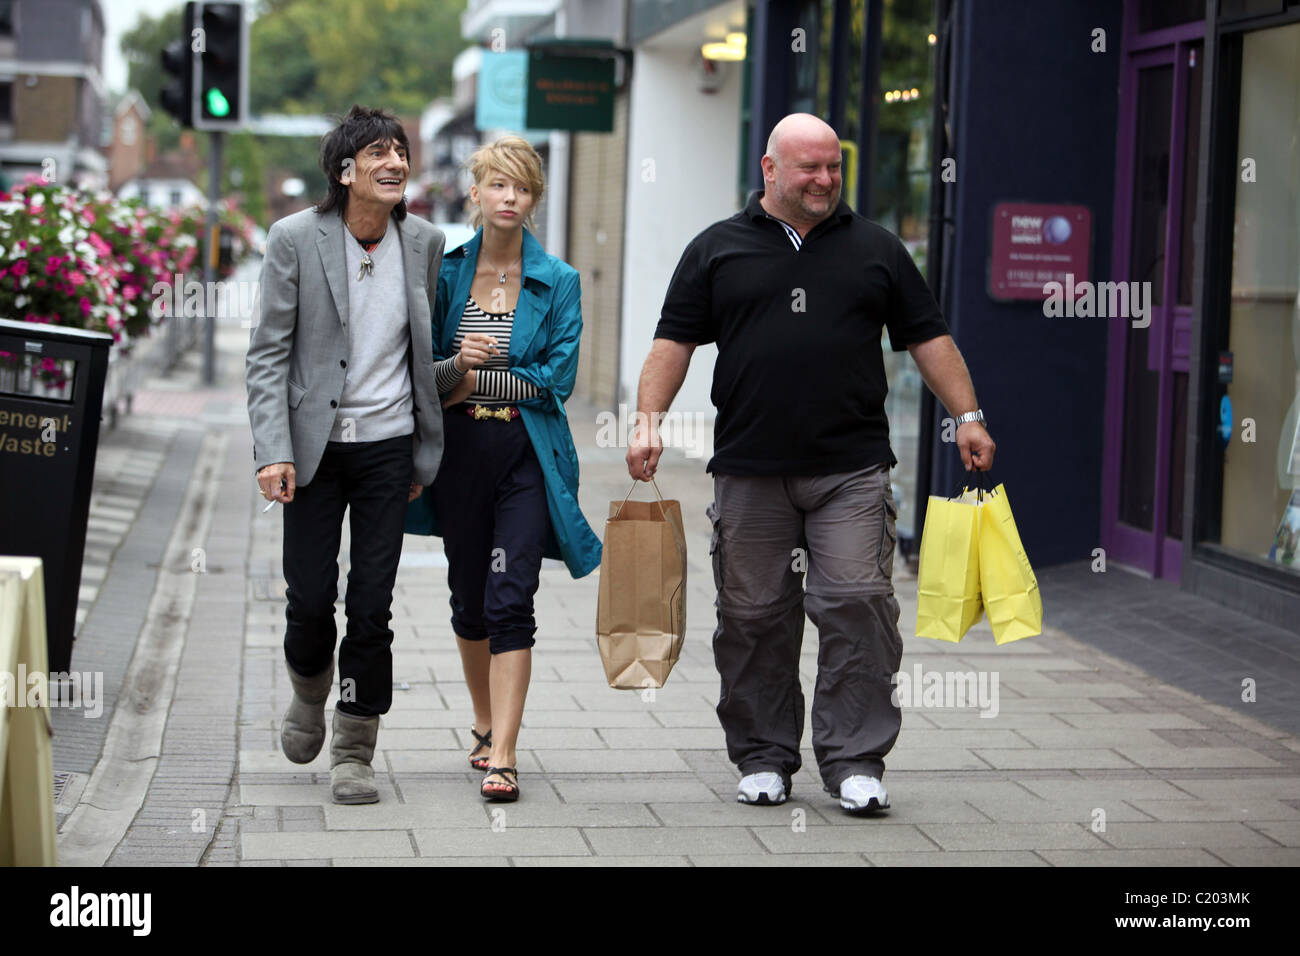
(351, 750)
(302, 732)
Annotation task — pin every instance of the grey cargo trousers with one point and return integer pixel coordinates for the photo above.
(840, 529)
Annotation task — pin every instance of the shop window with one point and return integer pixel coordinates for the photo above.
(6, 18)
(803, 79)
(1241, 9)
(901, 203)
(6, 103)
(1259, 439)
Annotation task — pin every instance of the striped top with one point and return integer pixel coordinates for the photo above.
(790, 231)
(496, 383)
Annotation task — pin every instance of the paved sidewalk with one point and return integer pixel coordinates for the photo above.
(1088, 761)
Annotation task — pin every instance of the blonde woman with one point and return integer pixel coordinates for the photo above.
(505, 342)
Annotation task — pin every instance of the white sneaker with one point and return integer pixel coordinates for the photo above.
(862, 794)
(765, 789)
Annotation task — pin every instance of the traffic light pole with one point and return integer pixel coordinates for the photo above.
(212, 249)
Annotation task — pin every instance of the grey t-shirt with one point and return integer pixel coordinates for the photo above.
(377, 391)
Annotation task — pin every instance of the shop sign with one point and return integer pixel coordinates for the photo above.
(1037, 243)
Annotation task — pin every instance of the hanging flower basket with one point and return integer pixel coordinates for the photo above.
(91, 262)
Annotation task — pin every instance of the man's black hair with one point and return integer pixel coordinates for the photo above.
(361, 127)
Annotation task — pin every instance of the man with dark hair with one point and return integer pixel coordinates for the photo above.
(345, 414)
(796, 290)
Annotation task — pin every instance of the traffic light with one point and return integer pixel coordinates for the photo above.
(178, 68)
(221, 67)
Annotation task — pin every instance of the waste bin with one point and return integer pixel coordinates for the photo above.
(48, 439)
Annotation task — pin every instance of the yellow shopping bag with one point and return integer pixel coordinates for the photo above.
(948, 582)
(1007, 582)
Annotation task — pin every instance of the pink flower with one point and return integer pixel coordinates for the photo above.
(19, 268)
(130, 292)
(53, 263)
(40, 283)
(85, 305)
(76, 278)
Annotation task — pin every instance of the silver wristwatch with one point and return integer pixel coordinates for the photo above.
(975, 416)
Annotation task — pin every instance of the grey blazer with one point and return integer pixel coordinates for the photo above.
(299, 342)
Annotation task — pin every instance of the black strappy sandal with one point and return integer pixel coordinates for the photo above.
(484, 740)
(510, 794)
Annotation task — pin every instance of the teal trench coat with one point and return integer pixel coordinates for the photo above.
(543, 351)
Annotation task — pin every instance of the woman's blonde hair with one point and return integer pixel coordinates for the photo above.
(515, 158)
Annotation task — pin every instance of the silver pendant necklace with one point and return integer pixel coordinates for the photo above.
(501, 273)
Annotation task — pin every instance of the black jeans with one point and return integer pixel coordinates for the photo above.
(372, 480)
(490, 497)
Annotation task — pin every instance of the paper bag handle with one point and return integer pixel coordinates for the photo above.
(980, 489)
(663, 508)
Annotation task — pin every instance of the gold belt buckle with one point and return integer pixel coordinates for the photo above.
(481, 412)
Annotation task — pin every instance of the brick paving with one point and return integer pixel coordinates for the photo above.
(1093, 758)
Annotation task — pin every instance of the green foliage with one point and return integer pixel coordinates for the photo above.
(142, 49)
(310, 57)
(245, 173)
(282, 73)
(321, 56)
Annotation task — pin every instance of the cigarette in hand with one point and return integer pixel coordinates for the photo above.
(284, 485)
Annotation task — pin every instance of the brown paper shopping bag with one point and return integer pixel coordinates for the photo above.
(641, 604)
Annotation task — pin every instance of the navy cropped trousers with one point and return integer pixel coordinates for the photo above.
(490, 498)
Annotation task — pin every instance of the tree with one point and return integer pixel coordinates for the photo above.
(244, 174)
(142, 48)
(282, 73)
(321, 56)
(311, 57)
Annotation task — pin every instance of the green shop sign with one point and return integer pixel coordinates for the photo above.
(570, 92)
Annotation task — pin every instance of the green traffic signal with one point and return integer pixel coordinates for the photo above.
(218, 105)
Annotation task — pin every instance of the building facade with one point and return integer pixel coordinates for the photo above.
(52, 90)
(1148, 415)
(1165, 438)
(129, 150)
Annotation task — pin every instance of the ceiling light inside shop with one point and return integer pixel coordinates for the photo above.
(732, 49)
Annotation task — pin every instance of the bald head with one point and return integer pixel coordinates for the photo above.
(801, 171)
(797, 131)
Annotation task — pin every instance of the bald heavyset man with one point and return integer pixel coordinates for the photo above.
(795, 290)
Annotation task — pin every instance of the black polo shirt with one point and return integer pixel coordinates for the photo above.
(799, 382)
